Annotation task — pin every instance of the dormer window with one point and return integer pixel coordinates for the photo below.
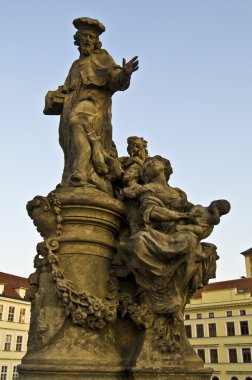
(21, 292)
(2, 287)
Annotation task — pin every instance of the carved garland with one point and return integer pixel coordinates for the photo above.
(56, 205)
(84, 309)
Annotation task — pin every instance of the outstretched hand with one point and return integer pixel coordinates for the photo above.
(131, 66)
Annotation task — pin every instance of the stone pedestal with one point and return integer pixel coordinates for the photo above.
(75, 331)
(173, 373)
(151, 364)
(79, 226)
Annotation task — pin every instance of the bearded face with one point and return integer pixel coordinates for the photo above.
(87, 42)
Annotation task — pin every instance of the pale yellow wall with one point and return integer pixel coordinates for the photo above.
(13, 358)
(219, 302)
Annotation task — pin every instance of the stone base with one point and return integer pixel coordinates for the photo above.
(33, 372)
(170, 373)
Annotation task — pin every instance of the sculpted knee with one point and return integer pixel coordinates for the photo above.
(75, 121)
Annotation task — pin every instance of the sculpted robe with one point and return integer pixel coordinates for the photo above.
(85, 100)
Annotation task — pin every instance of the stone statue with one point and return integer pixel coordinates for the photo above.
(84, 102)
(163, 251)
(122, 250)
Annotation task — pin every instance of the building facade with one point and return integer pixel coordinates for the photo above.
(218, 322)
(14, 323)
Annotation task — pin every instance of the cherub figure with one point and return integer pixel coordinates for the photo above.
(131, 180)
(203, 219)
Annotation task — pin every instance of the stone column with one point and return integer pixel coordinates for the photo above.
(74, 294)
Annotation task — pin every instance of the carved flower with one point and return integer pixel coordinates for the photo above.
(90, 300)
(98, 313)
(96, 306)
(91, 310)
(79, 316)
(109, 315)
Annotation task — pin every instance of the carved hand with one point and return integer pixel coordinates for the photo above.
(131, 66)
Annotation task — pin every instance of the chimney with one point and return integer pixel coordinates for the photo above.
(248, 261)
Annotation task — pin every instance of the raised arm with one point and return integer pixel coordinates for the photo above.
(120, 77)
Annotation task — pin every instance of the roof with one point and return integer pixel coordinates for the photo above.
(247, 252)
(240, 284)
(12, 282)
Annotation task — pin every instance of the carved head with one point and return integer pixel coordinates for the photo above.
(132, 173)
(87, 36)
(137, 147)
(156, 167)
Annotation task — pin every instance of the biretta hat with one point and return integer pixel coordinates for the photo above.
(89, 23)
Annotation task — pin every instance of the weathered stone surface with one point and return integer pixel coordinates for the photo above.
(121, 253)
(84, 102)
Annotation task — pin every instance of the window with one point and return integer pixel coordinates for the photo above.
(242, 312)
(246, 355)
(211, 315)
(248, 378)
(234, 378)
(19, 343)
(11, 314)
(7, 345)
(188, 330)
(1, 312)
(213, 355)
(230, 329)
(201, 354)
(22, 315)
(229, 313)
(200, 331)
(212, 329)
(244, 328)
(4, 370)
(15, 373)
(187, 317)
(215, 378)
(199, 316)
(232, 355)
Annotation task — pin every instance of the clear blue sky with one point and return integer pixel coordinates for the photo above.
(191, 99)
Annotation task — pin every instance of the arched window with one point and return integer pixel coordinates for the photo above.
(215, 378)
(234, 378)
(248, 378)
